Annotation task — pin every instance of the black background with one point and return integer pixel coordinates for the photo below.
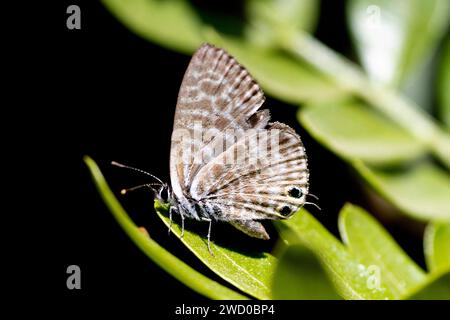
(109, 94)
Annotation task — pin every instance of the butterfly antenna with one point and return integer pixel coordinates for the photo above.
(114, 163)
(315, 205)
(148, 185)
(314, 196)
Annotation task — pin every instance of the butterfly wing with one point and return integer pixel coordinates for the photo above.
(217, 94)
(272, 185)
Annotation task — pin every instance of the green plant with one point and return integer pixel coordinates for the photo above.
(332, 269)
(375, 117)
(385, 128)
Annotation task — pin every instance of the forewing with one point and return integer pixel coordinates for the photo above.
(269, 185)
(217, 94)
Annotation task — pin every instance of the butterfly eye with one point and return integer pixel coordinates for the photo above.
(285, 210)
(295, 192)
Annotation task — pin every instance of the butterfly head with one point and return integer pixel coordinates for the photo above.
(163, 193)
(161, 190)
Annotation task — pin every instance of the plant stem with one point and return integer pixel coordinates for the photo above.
(350, 77)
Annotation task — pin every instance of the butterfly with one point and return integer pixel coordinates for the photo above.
(227, 161)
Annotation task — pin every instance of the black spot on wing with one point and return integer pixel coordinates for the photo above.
(285, 210)
(295, 192)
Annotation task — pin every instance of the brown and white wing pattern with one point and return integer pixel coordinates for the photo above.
(216, 94)
(272, 187)
(227, 162)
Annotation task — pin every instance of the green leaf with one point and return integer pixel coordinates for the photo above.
(369, 266)
(269, 17)
(177, 268)
(444, 85)
(281, 75)
(392, 105)
(437, 246)
(251, 272)
(367, 141)
(393, 37)
(422, 191)
(176, 25)
(288, 13)
(437, 288)
(374, 247)
(356, 131)
(351, 278)
(300, 276)
(170, 23)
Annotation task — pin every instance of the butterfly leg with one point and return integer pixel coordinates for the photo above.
(182, 225)
(172, 209)
(251, 227)
(209, 234)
